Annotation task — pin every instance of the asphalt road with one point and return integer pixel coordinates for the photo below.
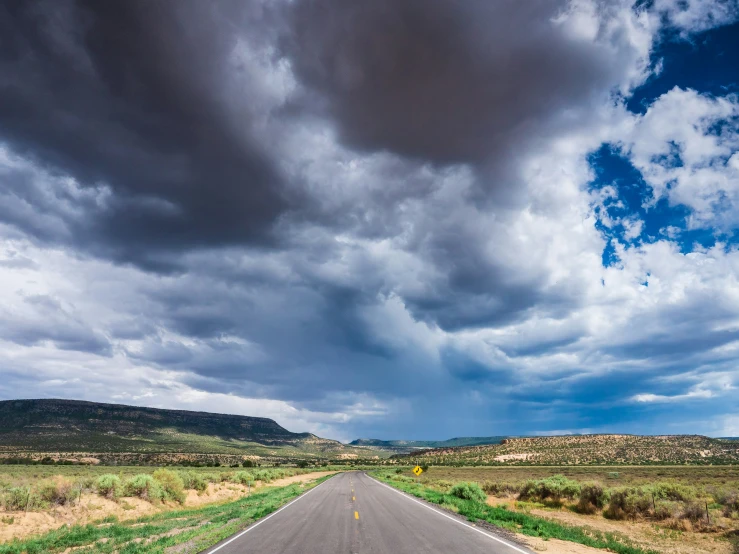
(354, 514)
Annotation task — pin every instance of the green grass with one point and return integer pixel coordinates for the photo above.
(194, 529)
(515, 521)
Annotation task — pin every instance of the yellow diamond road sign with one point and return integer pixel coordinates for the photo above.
(417, 470)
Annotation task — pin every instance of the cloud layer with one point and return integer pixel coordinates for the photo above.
(369, 219)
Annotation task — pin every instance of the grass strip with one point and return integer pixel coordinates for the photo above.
(192, 529)
(520, 523)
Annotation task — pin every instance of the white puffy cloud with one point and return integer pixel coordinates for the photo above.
(685, 146)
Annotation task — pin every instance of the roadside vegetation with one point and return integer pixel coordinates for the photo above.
(662, 504)
(173, 532)
(28, 489)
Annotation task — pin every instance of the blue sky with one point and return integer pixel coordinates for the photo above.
(406, 220)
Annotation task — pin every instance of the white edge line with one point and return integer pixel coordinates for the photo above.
(258, 523)
(488, 535)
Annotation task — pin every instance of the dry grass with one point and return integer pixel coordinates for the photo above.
(676, 527)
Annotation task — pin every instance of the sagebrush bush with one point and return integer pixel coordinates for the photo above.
(443, 484)
(593, 497)
(628, 502)
(263, 475)
(243, 477)
(468, 491)
(729, 499)
(109, 486)
(17, 498)
(211, 477)
(665, 510)
(173, 487)
(496, 488)
(57, 493)
(693, 511)
(672, 491)
(555, 488)
(144, 486)
(192, 480)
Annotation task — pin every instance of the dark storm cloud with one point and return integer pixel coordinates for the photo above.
(387, 261)
(473, 87)
(448, 82)
(133, 95)
(53, 323)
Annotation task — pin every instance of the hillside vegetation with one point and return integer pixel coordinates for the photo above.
(589, 449)
(133, 434)
(406, 447)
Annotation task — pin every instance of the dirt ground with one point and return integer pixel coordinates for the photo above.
(644, 534)
(93, 507)
(554, 546)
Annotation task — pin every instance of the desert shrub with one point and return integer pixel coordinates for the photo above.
(613, 475)
(211, 477)
(593, 497)
(496, 488)
(665, 510)
(468, 491)
(172, 485)
(443, 484)
(729, 499)
(672, 491)
(109, 486)
(56, 493)
(628, 502)
(85, 483)
(263, 475)
(555, 488)
(529, 489)
(192, 480)
(243, 477)
(17, 498)
(693, 511)
(144, 486)
(399, 470)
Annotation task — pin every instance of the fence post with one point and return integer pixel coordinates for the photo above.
(708, 519)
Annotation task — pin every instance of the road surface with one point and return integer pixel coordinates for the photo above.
(352, 513)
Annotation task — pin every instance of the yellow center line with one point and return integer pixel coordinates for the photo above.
(356, 515)
(353, 498)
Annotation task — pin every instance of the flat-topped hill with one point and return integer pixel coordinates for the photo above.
(28, 426)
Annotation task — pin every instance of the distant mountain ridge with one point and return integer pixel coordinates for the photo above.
(54, 425)
(407, 446)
